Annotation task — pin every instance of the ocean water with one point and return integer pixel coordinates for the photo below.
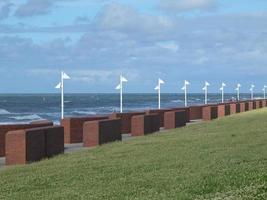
(19, 108)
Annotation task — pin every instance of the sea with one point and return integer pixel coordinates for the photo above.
(21, 108)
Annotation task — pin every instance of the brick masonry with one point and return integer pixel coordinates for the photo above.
(126, 119)
(160, 112)
(209, 112)
(221, 110)
(29, 145)
(242, 106)
(195, 112)
(232, 108)
(13, 127)
(73, 128)
(100, 132)
(174, 119)
(145, 124)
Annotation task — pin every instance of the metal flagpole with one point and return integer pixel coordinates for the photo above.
(121, 94)
(62, 95)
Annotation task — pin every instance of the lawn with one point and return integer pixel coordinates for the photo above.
(222, 159)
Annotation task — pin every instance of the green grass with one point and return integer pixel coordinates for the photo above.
(222, 159)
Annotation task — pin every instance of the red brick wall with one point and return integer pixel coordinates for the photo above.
(101, 132)
(263, 102)
(31, 145)
(187, 111)
(232, 108)
(175, 119)
(145, 124)
(12, 127)
(73, 127)
(195, 112)
(126, 119)
(221, 110)
(257, 104)
(242, 107)
(250, 105)
(209, 112)
(160, 113)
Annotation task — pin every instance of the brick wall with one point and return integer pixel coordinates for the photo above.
(12, 127)
(160, 112)
(175, 119)
(126, 119)
(195, 112)
(73, 127)
(209, 112)
(101, 132)
(145, 124)
(29, 145)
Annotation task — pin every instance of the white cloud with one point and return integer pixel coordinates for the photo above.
(187, 5)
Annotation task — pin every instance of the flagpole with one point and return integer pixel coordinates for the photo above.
(206, 95)
(159, 95)
(185, 96)
(121, 94)
(222, 95)
(62, 96)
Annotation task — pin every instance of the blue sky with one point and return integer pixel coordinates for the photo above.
(96, 40)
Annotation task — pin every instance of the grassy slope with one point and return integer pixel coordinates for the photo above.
(223, 159)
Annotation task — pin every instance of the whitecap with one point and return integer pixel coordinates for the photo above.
(4, 112)
(26, 117)
(80, 112)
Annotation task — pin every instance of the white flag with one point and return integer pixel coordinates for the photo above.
(186, 82)
(58, 86)
(207, 83)
(221, 88)
(252, 86)
(183, 88)
(118, 87)
(65, 76)
(238, 85)
(123, 79)
(223, 84)
(161, 81)
(204, 88)
(157, 88)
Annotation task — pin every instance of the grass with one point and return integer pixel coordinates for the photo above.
(222, 159)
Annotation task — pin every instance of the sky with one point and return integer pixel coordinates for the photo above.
(94, 41)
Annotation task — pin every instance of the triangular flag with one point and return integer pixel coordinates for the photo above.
(161, 81)
(65, 76)
(157, 88)
(58, 86)
(238, 85)
(183, 88)
(204, 88)
(223, 84)
(207, 83)
(118, 87)
(186, 82)
(123, 79)
(252, 86)
(221, 88)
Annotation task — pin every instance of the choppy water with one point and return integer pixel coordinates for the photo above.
(28, 107)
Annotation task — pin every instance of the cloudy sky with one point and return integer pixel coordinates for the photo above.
(96, 40)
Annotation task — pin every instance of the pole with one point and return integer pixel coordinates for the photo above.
(238, 95)
(121, 94)
(222, 95)
(159, 95)
(206, 95)
(185, 96)
(62, 96)
(252, 96)
(264, 93)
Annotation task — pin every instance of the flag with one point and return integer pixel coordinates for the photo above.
(65, 76)
(186, 82)
(252, 86)
(238, 85)
(58, 86)
(223, 84)
(123, 79)
(157, 88)
(221, 88)
(161, 81)
(118, 87)
(204, 88)
(183, 88)
(207, 83)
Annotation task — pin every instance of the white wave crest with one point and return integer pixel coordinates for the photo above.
(4, 112)
(26, 117)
